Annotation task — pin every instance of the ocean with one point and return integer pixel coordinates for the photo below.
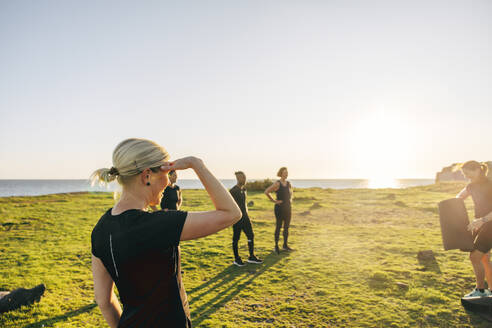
(44, 187)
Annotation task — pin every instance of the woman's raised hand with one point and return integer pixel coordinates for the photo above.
(182, 164)
(201, 224)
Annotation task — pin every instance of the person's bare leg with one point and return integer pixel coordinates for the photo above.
(476, 259)
(487, 268)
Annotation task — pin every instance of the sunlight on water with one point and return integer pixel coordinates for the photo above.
(383, 183)
(44, 187)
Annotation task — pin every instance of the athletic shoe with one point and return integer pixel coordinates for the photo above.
(287, 248)
(277, 250)
(20, 297)
(239, 262)
(477, 293)
(254, 259)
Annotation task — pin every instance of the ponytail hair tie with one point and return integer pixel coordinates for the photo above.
(113, 171)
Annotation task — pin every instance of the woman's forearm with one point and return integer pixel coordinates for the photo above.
(488, 217)
(269, 196)
(221, 198)
(463, 194)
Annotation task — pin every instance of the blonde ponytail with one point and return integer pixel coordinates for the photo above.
(102, 176)
(131, 157)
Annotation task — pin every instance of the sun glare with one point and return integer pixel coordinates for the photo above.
(382, 183)
(382, 148)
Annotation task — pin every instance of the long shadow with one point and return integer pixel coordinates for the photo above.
(61, 317)
(242, 276)
(479, 319)
(429, 264)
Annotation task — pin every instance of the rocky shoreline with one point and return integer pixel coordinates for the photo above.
(453, 173)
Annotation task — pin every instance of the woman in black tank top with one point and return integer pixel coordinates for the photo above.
(283, 208)
(480, 190)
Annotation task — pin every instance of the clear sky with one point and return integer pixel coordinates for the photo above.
(330, 89)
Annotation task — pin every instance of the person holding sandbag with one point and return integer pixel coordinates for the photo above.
(139, 250)
(480, 189)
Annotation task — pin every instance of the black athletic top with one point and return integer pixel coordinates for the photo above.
(283, 193)
(239, 195)
(170, 198)
(481, 192)
(140, 250)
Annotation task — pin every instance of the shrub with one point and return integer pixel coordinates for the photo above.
(258, 185)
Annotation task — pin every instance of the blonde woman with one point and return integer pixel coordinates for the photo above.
(283, 208)
(139, 250)
(480, 190)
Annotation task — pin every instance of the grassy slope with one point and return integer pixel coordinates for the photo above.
(352, 247)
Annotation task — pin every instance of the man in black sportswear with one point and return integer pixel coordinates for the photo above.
(238, 192)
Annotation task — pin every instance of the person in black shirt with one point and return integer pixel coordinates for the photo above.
(238, 192)
(283, 208)
(139, 250)
(480, 189)
(171, 200)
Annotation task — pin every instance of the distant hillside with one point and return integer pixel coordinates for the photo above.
(453, 173)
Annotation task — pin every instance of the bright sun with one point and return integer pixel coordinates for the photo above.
(382, 146)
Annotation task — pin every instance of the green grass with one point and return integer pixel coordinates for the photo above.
(352, 248)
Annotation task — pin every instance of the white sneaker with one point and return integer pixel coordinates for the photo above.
(477, 293)
(238, 262)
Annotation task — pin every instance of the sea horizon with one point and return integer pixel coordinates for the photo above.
(38, 187)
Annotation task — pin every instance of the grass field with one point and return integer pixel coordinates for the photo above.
(352, 248)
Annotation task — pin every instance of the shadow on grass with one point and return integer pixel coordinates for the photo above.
(479, 319)
(62, 317)
(429, 264)
(379, 282)
(240, 278)
(432, 209)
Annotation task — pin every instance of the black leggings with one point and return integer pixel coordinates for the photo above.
(242, 225)
(283, 215)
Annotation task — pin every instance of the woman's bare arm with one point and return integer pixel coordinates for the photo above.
(104, 293)
(463, 194)
(274, 187)
(180, 199)
(488, 217)
(200, 224)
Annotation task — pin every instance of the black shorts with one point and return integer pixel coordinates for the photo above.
(482, 239)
